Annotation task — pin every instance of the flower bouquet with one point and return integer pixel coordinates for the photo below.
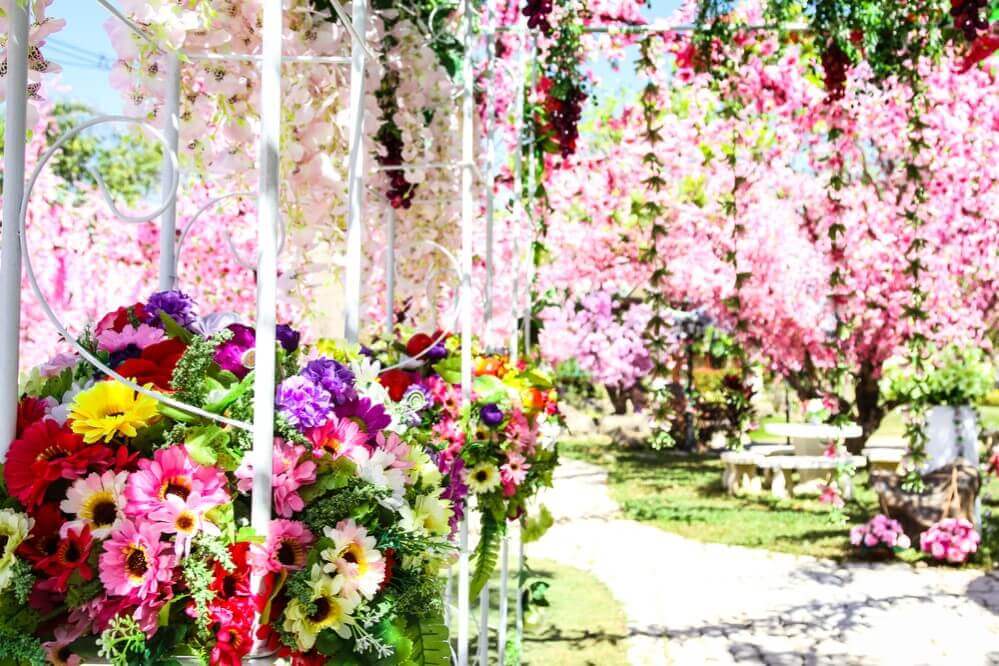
(124, 521)
(879, 537)
(952, 540)
(501, 449)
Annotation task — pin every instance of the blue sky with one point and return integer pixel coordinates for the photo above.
(84, 51)
(79, 48)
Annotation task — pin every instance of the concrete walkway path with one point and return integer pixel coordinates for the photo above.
(692, 603)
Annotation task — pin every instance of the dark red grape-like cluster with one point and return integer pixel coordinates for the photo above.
(969, 17)
(400, 191)
(835, 64)
(563, 119)
(537, 12)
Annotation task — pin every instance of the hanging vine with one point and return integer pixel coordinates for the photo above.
(432, 18)
(651, 211)
(895, 39)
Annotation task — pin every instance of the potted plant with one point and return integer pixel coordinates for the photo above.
(945, 392)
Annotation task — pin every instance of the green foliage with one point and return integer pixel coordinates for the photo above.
(129, 163)
(430, 638)
(123, 643)
(198, 576)
(211, 445)
(418, 594)
(19, 648)
(953, 376)
(536, 526)
(81, 594)
(354, 499)
(188, 377)
(486, 553)
(22, 580)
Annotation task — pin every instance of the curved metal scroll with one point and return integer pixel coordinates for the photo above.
(452, 316)
(130, 219)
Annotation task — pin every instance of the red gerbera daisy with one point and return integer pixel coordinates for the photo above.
(236, 583)
(45, 453)
(120, 318)
(155, 365)
(43, 539)
(396, 382)
(389, 556)
(30, 410)
(70, 557)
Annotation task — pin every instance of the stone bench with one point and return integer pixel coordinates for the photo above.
(742, 468)
(884, 459)
(782, 468)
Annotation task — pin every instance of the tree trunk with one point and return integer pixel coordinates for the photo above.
(618, 398)
(870, 411)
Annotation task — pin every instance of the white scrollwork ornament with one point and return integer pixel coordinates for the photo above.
(129, 219)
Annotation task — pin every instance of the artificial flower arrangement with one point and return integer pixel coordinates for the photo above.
(123, 521)
(880, 536)
(501, 449)
(952, 540)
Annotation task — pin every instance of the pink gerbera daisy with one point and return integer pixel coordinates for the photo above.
(286, 547)
(291, 472)
(337, 436)
(391, 443)
(141, 337)
(172, 472)
(184, 518)
(354, 557)
(515, 469)
(97, 500)
(135, 560)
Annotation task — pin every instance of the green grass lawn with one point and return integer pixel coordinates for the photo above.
(584, 624)
(683, 494)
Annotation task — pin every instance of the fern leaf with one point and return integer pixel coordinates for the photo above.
(431, 642)
(486, 554)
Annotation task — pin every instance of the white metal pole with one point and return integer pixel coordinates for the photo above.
(10, 242)
(390, 273)
(268, 212)
(490, 178)
(355, 179)
(504, 602)
(463, 583)
(168, 220)
(519, 604)
(531, 209)
(517, 201)
(483, 645)
(467, 219)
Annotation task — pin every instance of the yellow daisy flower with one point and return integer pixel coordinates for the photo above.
(14, 527)
(332, 611)
(482, 478)
(108, 409)
(338, 350)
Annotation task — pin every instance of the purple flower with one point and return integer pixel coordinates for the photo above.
(303, 403)
(237, 353)
(288, 337)
(436, 352)
(176, 304)
(334, 377)
(456, 491)
(491, 414)
(370, 417)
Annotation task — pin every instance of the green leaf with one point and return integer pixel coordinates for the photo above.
(431, 641)
(535, 527)
(490, 388)
(486, 553)
(449, 369)
(202, 442)
(175, 330)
